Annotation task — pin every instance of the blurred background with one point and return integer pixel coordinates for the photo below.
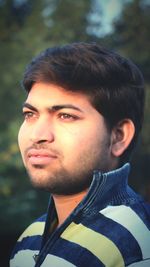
(26, 28)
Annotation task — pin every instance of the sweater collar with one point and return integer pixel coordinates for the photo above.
(109, 188)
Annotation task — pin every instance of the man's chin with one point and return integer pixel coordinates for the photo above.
(60, 181)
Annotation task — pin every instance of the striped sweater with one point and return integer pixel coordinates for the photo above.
(110, 227)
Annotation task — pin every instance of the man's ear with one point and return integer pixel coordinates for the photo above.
(122, 135)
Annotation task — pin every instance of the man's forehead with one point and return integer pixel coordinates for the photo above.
(54, 98)
(57, 97)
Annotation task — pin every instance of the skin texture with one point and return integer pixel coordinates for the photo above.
(63, 139)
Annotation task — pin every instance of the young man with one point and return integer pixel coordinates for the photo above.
(82, 117)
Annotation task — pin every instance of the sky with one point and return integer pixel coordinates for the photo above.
(110, 10)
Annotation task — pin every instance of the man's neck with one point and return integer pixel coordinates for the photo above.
(66, 204)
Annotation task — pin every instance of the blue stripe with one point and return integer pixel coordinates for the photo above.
(119, 235)
(75, 254)
(143, 211)
(32, 243)
(41, 219)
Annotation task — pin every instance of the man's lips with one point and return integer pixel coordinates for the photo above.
(40, 156)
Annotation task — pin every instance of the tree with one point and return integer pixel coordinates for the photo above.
(131, 34)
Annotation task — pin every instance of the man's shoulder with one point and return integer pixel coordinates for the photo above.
(133, 214)
(34, 229)
(131, 224)
(30, 239)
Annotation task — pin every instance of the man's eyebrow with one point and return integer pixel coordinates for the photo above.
(27, 105)
(63, 106)
(54, 108)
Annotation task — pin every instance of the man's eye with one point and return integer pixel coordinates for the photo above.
(67, 117)
(28, 114)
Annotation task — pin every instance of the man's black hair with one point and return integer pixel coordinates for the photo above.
(114, 84)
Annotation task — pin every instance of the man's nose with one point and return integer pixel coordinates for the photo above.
(42, 131)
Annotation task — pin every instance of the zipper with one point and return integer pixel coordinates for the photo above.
(83, 206)
(51, 240)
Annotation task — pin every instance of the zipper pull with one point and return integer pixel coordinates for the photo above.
(35, 257)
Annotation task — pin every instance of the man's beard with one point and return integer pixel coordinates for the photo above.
(61, 182)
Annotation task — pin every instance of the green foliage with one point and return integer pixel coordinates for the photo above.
(131, 36)
(69, 24)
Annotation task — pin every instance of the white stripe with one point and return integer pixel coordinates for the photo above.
(98, 244)
(130, 220)
(24, 258)
(54, 261)
(145, 263)
(36, 228)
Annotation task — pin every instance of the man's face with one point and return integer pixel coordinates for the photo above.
(62, 139)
